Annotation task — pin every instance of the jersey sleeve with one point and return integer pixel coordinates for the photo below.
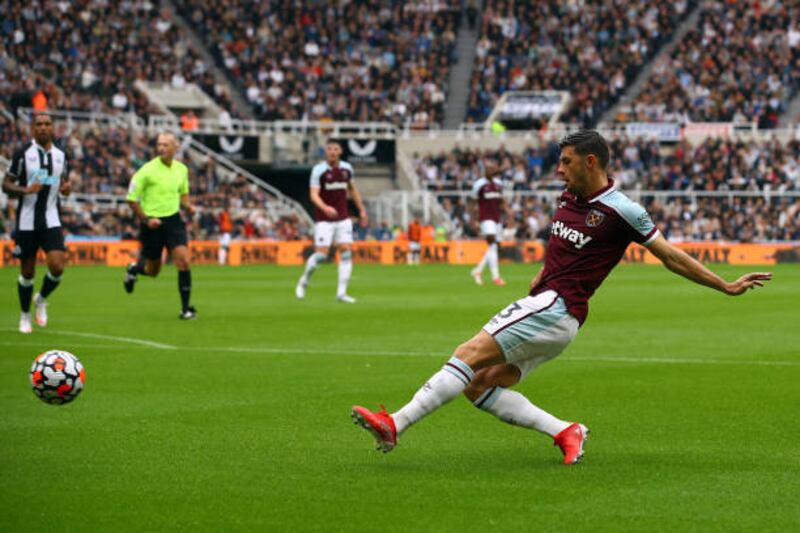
(17, 168)
(476, 187)
(641, 227)
(183, 186)
(347, 166)
(316, 174)
(137, 185)
(65, 172)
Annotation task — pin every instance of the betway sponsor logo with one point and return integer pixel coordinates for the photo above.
(565, 232)
(493, 195)
(336, 185)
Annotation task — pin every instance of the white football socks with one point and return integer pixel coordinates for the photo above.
(494, 266)
(345, 270)
(514, 408)
(442, 387)
(311, 265)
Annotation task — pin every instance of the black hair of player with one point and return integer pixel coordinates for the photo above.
(587, 142)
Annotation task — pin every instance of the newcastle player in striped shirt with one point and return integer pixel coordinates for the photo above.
(592, 228)
(38, 174)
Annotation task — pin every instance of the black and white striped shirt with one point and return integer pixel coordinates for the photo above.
(33, 163)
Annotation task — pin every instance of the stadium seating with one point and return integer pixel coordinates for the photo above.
(713, 165)
(741, 63)
(593, 50)
(86, 55)
(362, 61)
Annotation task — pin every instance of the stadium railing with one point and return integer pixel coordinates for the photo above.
(280, 203)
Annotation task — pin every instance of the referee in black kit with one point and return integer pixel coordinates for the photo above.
(157, 192)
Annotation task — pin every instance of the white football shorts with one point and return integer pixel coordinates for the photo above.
(491, 228)
(225, 240)
(339, 232)
(533, 330)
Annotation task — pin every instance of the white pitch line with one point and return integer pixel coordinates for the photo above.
(129, 340)
(329, 351)
(601, 359)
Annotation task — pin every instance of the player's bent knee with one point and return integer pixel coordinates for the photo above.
(480, 351)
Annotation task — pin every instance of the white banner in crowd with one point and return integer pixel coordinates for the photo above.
(663, 131)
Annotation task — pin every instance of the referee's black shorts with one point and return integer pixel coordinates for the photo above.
(171, 233)
(27, 243)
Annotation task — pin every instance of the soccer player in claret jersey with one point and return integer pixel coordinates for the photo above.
(488, 192)
(39, 172)
(330, 181)
(592, 228)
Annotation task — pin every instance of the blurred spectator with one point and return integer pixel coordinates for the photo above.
(740, 64)
(591, 49)
(87, 54)
(359, 61)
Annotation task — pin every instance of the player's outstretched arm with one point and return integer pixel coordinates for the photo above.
(685, 265)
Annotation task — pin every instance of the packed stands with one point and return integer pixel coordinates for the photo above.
(762, 169)
(591, 49)
(87, 54)
(741, 63)
(357, 61)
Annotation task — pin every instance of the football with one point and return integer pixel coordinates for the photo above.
(57, 377)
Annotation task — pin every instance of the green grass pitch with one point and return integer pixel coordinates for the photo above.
(240, 420)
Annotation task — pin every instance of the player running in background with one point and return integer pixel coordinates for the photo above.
(592, 228)
(39, 172)
(330, 181)
(488, 192)
(414, 239)
(157, 192)
(225, 228)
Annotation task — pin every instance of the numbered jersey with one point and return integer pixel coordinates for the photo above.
(489, 193)
(587, 239)
(33, 164)
(333, 183)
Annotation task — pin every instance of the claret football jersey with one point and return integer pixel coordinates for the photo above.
(489, 193)
(588, 238)
(333, 183)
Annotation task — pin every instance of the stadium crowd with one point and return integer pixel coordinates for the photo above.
(591, 49)
(732, 219)
(102, 161)
(741, 63)
(713, 165)
(86, 55)
(357, 61)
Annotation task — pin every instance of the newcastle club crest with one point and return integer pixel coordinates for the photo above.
(595, 218)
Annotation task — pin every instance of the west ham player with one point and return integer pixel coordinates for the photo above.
(38, 174)
(488, 192)
(330, 181)
(592, 228)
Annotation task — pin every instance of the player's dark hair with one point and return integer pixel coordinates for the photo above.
(587, 142)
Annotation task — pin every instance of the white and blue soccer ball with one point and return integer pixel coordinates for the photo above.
(57, 377)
